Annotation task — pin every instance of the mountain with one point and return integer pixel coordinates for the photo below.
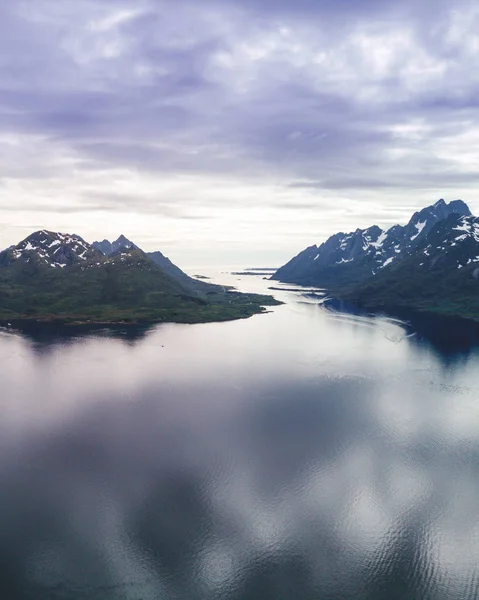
(441, 276)
(347, 258)
(176, 273)
(106, 247)
(59, 277)
(49, 249)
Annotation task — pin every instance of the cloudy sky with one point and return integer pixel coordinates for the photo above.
(234, 131)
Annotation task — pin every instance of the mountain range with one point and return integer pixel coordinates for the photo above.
(430, 264)
(51, 276)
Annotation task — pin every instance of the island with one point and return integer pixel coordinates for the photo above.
(59, 278)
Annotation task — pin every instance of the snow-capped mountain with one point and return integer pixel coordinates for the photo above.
(356, 256)
(59, 250)
(441, 276)
(51, 249)
(453, 243)
(106, 247)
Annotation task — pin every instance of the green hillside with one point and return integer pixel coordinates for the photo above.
(126, 288)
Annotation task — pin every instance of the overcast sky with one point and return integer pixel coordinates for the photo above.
(234, 131)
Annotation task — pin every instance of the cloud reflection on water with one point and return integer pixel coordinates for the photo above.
(289, 455)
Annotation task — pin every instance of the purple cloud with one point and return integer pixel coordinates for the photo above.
(311, 97)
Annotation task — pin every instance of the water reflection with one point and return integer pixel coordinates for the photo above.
(296, 454)
(48, 334)
(451, 338)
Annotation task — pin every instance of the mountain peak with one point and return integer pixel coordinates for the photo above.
(460, 207)
(424, 220)
(443, 209)
(52, 249)
(122, 240)
(106, 247)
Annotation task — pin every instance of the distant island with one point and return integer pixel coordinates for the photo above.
(429, 265)
(255, 273)
(60, 278)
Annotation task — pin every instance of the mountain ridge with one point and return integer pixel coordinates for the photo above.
(108, 248)
(355, 256)
(431, 264)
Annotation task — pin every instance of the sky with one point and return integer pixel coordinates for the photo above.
(234, 131)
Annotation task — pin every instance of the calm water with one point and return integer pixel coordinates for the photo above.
(301, 454)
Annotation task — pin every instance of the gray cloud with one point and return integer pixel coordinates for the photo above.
(266, 102)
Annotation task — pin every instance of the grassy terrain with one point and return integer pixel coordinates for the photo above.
(450, 292)
(132, 289)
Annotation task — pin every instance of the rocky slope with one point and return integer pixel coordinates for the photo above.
(107, 248)
(347, 258)
(442, 276)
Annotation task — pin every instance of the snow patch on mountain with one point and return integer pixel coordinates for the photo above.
(379, 242)
(419, 226)
(55, 250)
(470, 227)
(388, 261)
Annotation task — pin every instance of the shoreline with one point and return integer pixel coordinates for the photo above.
(454, 333)
(408, 312)
(17, 323)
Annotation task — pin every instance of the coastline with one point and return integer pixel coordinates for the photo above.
(402, 310)
(20, 322)
(446, 333)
